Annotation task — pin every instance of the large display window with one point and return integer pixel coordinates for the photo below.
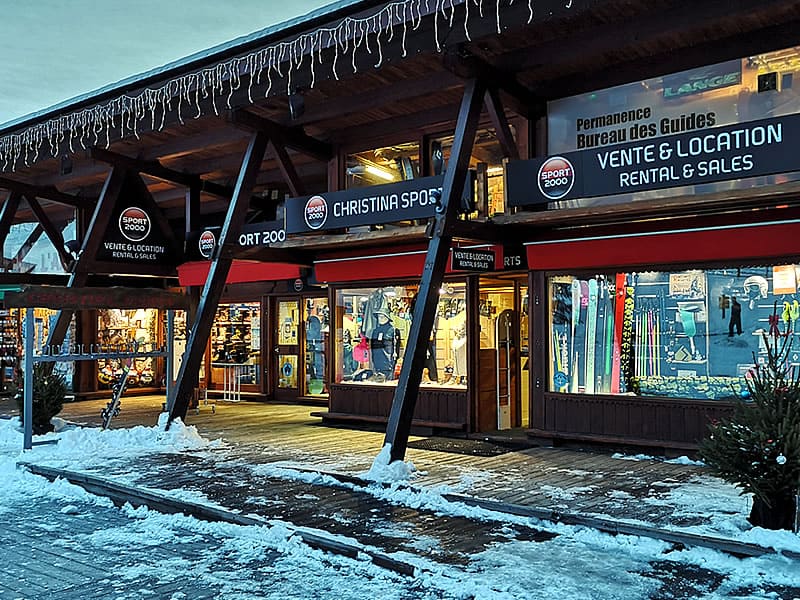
(236, 342)
(118, 329)
(372, 325)
(681, 334)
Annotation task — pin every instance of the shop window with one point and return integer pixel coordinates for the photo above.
(372, 326)
(236, 343)
(12, 344)
(486, 151)
(688, 334)
(118, 329)
(317, 330)
(383, 165)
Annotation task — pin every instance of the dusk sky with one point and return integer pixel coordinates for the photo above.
(54, 50)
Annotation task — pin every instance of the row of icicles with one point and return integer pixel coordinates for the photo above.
(93, 125)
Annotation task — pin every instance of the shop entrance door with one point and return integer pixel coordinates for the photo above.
(498, 371)
(286, 350)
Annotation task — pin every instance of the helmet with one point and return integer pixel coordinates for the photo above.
(756, 282)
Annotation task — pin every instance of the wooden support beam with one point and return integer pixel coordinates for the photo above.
(500, 123)
(296, 187)
(405, 396)
(52, 232)
(7, 214)
(45, 193)
(191, 212)
(159, 171)
(90, 247)
(294, 138)
(215, 281)
(28, 245)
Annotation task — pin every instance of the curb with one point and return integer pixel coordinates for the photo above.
(121, 494)
(727, 546)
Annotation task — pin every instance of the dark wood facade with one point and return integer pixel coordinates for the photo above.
(232, 155)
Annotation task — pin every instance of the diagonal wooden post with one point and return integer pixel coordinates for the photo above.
(217, 274)
(7, 214)
(405, 395)
(81, 268)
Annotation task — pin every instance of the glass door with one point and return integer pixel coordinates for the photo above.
(317, 328)
(287, 349)
(498, 406)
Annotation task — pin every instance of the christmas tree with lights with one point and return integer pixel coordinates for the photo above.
(758, 447)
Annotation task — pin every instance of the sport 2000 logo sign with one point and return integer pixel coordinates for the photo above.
(207, 243)
(556, 177)
(315, 212)
(134, 224)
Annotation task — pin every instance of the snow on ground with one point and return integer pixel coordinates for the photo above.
(269, 561)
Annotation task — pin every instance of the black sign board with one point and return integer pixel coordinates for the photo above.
(411, 199)
(515, 258)
(201, 244)
(752, 149)
(137, 232)
(468, 259)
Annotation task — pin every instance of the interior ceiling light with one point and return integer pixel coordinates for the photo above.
(378, 172)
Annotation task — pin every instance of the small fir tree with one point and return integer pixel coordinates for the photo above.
(758, 448)
(49, 391)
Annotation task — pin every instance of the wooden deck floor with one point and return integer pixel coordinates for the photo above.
(551, 478)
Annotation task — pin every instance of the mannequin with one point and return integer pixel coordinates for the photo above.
(383, 344)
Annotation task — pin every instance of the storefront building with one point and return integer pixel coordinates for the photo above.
(626, 233)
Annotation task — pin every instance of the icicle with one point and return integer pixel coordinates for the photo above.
(284, 58)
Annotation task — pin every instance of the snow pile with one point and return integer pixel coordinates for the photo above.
(95, 445)
(385, 471)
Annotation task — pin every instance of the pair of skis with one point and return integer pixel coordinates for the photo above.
(120, 385)
(648, 336)
(584, 341)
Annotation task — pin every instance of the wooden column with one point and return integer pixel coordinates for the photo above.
(405, 396)
(217, 274)
(7, 217)
(82, 267)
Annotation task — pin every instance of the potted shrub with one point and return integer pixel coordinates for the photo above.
(758, 447)
(49, 391)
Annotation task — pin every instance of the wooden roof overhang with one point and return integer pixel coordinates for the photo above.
(409, 86)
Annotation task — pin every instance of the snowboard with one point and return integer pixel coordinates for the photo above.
(591, 335)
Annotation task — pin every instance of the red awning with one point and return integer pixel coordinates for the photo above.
(242, 271)
(737, 243)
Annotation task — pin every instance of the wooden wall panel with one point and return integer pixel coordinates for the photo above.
(627, 419)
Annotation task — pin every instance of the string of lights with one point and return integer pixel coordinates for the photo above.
(182, 96)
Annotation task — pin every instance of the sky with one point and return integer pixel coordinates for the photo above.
(54, 50)
(143, 549)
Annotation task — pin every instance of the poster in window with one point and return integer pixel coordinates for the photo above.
(784, 280)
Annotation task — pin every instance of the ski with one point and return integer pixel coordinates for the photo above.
(580, 336)
(591, 333)
(619, 312)
(112, 408)
(571, 369)
(609, 338)
(599, 347)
